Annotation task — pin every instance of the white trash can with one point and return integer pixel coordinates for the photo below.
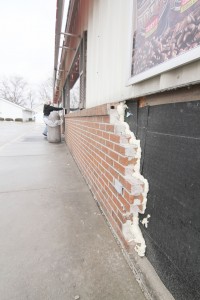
(54, 128)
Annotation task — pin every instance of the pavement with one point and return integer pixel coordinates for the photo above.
(54, 242)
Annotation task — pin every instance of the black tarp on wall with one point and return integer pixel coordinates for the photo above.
(170, 142)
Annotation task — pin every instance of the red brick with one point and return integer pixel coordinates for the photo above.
(105, 165)
(109, 144)
(106, 181)
(96, 125)
(109, 192)
(101, 169)
(105, 135)
(106, 119)
(102, 155)
(99, 132)
(105, 149)
(106, 208)
(113, 172)
(119, 168)
(113, 155)
(111, 187)
(102, 126)
(132, 161)
(108, 176)
(128, 197)
(101, 182)
(100, 161)
(117, 221)
(123, 160)
(110, 128)
(124, 202)
(121, 217)
(115, 138)
(102, 141)
(119, 149)
(128, 186)
(109, 160)
(118, 232)
(117, 203)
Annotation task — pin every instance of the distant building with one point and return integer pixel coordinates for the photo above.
(14, 111)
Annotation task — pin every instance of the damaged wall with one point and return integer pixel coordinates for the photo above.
(108, 155)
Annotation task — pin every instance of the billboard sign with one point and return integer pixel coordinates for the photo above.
(165, 34)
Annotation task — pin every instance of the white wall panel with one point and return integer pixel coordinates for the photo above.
(107, 51)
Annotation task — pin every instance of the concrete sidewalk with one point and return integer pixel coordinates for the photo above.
(54, 242)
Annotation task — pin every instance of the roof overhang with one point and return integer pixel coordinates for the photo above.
(58, 26)
(59, 21)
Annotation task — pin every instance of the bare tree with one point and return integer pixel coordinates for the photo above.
(13, 89)
(30, 99)
(46, 90)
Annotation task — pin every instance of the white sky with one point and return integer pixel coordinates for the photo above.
(27, 35)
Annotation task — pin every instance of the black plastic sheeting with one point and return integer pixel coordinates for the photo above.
(170, 142)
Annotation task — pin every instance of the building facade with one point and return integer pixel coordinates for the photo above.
(132, 71)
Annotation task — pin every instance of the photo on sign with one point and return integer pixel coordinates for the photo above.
(165, 34)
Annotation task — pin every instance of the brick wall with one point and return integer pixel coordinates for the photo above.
(102, 151)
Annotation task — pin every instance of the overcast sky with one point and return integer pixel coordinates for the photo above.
(27, 34)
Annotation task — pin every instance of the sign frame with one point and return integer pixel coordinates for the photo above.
(180, 60)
